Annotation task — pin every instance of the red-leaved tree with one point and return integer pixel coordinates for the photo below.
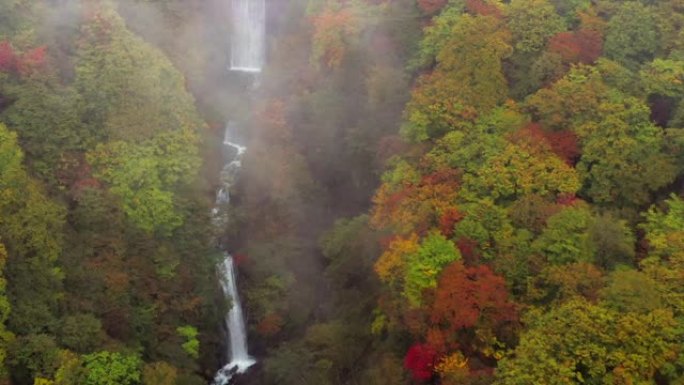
(270, 325)
(25, 64)
(563, 143)
(468, 249)
(448, 220)
(32, 61)
(420, 361)
(583, 46)
(8, 58)
(333, 30)
(416, 207)
(483, 7)
(471, 296)
(431, 6)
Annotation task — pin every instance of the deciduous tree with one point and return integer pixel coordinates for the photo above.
(106, 368)
(632, 34)
(597, 345)
(531, 23)
(468, 297)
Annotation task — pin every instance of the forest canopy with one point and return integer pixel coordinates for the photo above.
(448, 192)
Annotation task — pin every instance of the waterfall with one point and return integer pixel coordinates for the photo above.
(235, 322)
(248, 36)
(247, 55)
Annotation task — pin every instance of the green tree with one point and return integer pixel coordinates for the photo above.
(472, 56)
(520, 169)
(436, 108)
(566, 237)
(623, 153)
(13, 15)
(47, 118)
(6, 337)
(293, 363)
(81, 332)
(436, 35)
(665, 267)
(131, 90)
(487, 224)
(136, 98)
(632, 35)
(665, 228)
(146, 174)
(468, 79)
(191, 344)
(623, 158)
(470, 148)
(632, 291)
(569, 8)
(613, 241)
(31, 229)
(327, 342)
(570, 101)
(106, 368)
(32, 356)
(531, 23)
(664, 77)
(351, 248)
(423, 267)
(70, 370)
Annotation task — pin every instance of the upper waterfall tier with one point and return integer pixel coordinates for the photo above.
(248, 37)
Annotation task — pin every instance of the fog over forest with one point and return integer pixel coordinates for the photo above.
(341, 192)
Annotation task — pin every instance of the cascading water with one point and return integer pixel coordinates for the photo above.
(240, 360)
(248, 37)
(235, 322)
(247, 55)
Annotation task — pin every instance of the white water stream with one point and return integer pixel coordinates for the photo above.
(247, 43)
(240, 360)
(248, 18)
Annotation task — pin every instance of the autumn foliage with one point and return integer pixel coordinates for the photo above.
(32, 61)
(8, 58)
(563, 143)
(270, 325)
(483, 7)
(447, 221)
(468, 296)
(419, 205)
(583, 46)
(508, 146)
(333, 30)
(24, 64)
(468, 249)
(420, 360)
(391, 263)
(431, 6)
(272, 122)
